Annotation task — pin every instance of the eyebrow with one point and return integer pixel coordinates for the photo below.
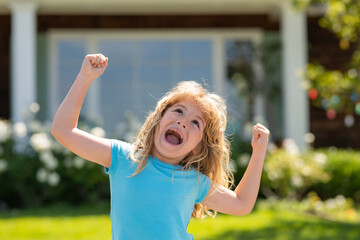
(197, 116)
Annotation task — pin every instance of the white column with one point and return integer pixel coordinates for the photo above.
(294, 39)
(259, 98)
(218, 63)
(23, 58)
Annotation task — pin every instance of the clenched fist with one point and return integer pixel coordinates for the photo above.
(94, 65)
(260, 138)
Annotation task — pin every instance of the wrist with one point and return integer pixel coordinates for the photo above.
(261, 152)
(85, 77)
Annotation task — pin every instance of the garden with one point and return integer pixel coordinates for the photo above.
(48, 192)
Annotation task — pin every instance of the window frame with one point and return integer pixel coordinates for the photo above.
(92, 37)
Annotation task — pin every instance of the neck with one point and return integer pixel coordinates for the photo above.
(172, 161)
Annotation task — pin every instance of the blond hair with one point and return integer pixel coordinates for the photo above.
(212, 159)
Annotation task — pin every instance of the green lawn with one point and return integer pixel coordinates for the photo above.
(89, 223)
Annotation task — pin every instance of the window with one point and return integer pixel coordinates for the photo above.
(144, 66)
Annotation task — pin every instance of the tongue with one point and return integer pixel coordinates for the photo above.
(172, 139)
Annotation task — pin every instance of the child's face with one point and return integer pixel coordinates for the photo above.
(180, 130)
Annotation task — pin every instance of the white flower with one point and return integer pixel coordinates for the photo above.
(290, 146)
(330, 203)
(319, 205)
(352, 73)
(297, 181)
(34, 107)
(53, 179)
(299, 163)
(79, 162)
(340, 200)
(306, 171)
(98, 131)
(309, 137)
(49, 160)
(20, 129)
(244, 159)
(36, 126)
(3, 165)
(232, 165)
(275, 174)
(40, 142)
(4, 131)
(320, 158)
(42, 175)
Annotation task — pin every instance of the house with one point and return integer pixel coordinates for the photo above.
(151, 45)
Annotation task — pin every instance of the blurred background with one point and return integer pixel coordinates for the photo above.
(292, 65)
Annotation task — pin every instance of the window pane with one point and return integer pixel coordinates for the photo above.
(195, 49)
(155, 51)
(117, 88)
(140, 71)
(240, 81)
(71, 54)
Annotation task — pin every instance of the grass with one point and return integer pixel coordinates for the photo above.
(93, 222)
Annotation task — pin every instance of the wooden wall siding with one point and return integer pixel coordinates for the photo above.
(46, 22)
(4, 67)
(334, 132)
(324, 49)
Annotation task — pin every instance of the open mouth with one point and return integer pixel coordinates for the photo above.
(173, 137)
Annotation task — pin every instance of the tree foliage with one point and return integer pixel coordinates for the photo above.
(336, 91)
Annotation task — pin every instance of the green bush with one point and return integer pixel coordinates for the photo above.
(344, 167)
(289, 173)
(35, 169)
(38, 170)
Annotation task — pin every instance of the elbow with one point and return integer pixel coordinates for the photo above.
(247, 211)
(243, 208)
(57, 130)
(54, 129)
(243, 212)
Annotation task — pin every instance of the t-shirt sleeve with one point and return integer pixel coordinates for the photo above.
(204, 186)
(119, 153)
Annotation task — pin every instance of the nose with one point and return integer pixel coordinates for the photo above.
(181, 124)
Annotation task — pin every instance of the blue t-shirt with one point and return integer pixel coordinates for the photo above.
(157, 203)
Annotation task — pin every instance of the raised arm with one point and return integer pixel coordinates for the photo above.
(64, 126)
(242, 200)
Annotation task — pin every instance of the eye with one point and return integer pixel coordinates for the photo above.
(196, 122)
(178, 110)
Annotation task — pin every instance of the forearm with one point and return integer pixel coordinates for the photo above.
(248, 188)
(68, 113)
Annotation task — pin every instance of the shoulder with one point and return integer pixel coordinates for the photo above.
(120, 155)
(119, 147)
(204, 186)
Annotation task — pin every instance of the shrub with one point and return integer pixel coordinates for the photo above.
(36, 169)
(288, 173)
(39, 170)
(344, 167)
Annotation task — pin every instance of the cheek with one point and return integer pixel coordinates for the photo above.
(199, 136)
(157, 131)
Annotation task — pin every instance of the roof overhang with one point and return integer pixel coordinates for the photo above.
(110, 7)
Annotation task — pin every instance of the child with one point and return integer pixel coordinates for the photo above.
(178, 166)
